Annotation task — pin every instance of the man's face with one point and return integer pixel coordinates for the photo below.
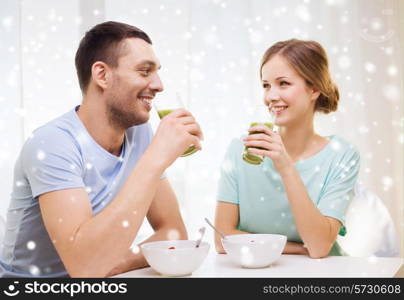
(135, 82)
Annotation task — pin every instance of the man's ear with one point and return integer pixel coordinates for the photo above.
(101, 74)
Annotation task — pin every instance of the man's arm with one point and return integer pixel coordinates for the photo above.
(165, 218)
(90, 246)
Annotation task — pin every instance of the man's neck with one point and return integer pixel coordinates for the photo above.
(95, 120)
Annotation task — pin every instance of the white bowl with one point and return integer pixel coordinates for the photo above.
(254, 250)
(175, 257)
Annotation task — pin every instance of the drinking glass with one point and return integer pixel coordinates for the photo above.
(168, 105)
(261, 116)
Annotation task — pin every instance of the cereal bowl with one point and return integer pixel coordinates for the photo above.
(175, 257)
(254, 250)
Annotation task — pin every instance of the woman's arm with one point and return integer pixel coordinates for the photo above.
(295, 248)
(317, 231)
(226, 221)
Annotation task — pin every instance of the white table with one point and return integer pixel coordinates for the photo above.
(219, 265)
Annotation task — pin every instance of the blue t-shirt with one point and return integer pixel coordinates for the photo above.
(57, 156)
(329, 177)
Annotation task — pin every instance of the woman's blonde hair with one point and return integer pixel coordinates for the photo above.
(309, 60)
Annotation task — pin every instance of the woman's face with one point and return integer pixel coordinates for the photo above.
(287, 93)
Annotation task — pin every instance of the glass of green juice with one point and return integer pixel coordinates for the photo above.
(260, 116)
(165, 107)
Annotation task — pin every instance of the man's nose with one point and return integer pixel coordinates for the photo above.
(156, 84)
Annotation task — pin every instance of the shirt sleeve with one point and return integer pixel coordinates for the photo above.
(228, 185)
(51, 161)
(339, 189)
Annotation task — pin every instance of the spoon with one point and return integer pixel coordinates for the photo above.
(199, 240)
(214, 228)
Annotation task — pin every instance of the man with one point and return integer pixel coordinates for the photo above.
(85, 181)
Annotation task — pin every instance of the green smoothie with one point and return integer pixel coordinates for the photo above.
(162, 113)
(252, 158)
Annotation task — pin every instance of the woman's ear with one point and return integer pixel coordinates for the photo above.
(315, 93)
(100, 73)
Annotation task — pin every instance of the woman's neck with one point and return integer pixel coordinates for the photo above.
(300, 141)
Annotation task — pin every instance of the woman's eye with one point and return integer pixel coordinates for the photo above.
(265, 85)
(284, 83)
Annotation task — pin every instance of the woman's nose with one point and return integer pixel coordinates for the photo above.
(271, 96)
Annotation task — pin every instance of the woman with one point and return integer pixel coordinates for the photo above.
(304, 185)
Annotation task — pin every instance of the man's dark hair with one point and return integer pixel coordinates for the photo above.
(103, 42)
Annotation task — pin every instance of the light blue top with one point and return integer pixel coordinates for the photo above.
(60, 155)
(329, 177)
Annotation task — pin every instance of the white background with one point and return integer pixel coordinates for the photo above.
(210, 52)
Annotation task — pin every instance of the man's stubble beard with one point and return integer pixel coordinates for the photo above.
(120, 117)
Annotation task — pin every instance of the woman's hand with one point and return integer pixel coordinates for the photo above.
(267, 143)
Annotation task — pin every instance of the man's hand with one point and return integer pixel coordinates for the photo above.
(176, 132)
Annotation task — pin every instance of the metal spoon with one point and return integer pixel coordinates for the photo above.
(199, 240)
(214, 228)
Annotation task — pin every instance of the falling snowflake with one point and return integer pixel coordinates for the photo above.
(389, 50)
(401, 138)
(344, 62)
(344, 19)
(40, 155)
(187, 35)
(363, 129)
(245, 249)
(392, 71)
(31, 245)
(335, 2)
(19, 183)
(34, 270)
(387, 182)
(8, 22)
(256, 37)
(376, 24)
(173, 234)
(370, 67)
(391, 92)
(135, 249)
(335, 145)
(125, 223)
(303, 13)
